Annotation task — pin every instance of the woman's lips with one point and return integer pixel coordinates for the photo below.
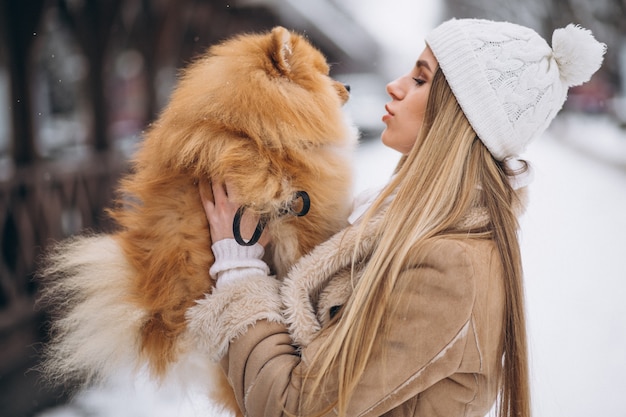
(389, 114)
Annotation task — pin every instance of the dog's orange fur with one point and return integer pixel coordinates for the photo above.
(260, 112)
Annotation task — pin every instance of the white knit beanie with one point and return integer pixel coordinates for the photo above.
(506, 78)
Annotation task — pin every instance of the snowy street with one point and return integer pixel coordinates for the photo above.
(574, 247)
(573, 244)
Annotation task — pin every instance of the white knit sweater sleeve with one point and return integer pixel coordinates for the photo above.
(234, 262)
(244, 293)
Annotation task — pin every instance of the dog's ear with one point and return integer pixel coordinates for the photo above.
(281, 50)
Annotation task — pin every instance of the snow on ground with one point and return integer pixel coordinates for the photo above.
(595, 135)
(574, 248)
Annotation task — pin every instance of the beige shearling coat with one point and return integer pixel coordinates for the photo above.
(441, 356)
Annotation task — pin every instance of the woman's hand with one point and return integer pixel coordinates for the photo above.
(221, 212)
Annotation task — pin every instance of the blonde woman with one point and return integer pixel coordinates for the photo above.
(417, 308)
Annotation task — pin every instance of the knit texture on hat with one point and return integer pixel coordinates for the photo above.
(508, 80)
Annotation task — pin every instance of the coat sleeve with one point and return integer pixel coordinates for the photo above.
(429, 315)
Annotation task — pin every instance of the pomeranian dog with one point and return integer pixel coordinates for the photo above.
(259, 111)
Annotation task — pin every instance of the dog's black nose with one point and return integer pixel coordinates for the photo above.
(347, 87)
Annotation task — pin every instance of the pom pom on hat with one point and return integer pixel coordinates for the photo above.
(578, 54)
(509, 82)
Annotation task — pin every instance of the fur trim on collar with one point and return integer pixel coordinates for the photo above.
(313, 272)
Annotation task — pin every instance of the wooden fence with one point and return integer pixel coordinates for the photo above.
(40, 204)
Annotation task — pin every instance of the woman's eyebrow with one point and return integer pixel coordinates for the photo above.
(421, 63)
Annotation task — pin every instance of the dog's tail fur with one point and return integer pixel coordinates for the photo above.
(95, 327)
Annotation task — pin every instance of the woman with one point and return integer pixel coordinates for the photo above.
(416, 309)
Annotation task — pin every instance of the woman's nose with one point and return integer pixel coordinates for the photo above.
(393, 89)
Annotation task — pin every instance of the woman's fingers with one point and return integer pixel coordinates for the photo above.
(219, 192)
(218, 209)
(205, 196)
(220, 212)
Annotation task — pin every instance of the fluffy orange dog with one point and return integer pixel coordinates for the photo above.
(259, 111)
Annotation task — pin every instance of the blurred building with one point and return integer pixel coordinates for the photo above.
(79, 81)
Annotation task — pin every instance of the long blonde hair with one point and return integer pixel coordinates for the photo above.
(447, 173)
